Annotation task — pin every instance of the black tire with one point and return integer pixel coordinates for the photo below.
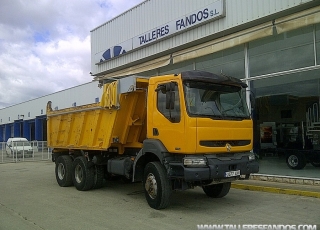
(217, 190)
(156, 185)
(98, 176)
(53, 157)
(63, 171)
(82, 176)
(296, 160)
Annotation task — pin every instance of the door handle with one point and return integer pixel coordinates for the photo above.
(155, 132)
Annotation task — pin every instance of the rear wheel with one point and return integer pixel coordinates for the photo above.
(83, 176)
(63, 171)
(217, 190)
(98, 176)
(296, 160)
(156, 185)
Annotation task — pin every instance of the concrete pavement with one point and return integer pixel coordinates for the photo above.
(30, 198)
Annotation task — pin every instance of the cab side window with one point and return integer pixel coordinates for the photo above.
(172, 113)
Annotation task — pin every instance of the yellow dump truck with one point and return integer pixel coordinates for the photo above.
(171, 132)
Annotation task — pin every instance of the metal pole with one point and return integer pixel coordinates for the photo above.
(22, 151)
(2, 145)
(16, 152)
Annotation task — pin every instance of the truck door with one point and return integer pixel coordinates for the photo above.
(168, 120)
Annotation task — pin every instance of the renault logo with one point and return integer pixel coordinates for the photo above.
(228, 147)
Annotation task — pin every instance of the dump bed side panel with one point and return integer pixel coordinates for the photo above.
(117, 121)
(85, 127)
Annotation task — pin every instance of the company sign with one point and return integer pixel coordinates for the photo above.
(211, 12)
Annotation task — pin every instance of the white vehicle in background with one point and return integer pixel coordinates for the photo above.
(19, 147)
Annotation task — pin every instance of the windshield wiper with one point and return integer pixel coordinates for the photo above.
(218, 117)
(236, 117)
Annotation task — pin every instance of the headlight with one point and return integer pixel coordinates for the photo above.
(252, 157)
(195, 161)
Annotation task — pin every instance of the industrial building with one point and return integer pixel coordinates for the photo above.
(28, 119)
(273, 46)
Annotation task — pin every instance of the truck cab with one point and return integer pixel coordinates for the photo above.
(201, 127)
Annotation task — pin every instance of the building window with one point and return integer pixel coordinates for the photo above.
(175, 68)
(28, 114)
(286, 51)
(318, 43)
(96, 99)
(74, 104)
(228, 62)
(41, 112)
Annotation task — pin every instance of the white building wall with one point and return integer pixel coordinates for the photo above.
(153, 13)
(81, 95)
(138, 20)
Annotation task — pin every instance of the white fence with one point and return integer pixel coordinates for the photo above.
(38, 151)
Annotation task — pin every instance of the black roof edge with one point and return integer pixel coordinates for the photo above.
(212, 78)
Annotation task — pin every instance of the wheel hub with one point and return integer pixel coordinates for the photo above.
(293, 160)
(151, 186)
(61, 171)
(78, 174)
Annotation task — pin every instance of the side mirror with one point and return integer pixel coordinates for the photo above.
(170, 86)
(252, 100)
(170, 95)
(161, 88)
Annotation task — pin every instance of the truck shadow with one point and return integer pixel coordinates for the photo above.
(193, 199)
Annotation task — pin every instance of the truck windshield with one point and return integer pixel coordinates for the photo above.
(216, 101)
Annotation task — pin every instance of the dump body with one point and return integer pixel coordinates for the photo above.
(100, 126)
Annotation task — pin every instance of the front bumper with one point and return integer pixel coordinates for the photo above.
(24, 153)
(215, 170)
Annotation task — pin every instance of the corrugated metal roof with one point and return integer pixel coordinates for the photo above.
(150, 14)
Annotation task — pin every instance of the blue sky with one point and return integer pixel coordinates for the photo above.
(45, 44)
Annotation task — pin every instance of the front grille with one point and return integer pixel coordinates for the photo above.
(223, 143)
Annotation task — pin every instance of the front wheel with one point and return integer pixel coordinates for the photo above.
(296, 160)
(217, 190)
(156, 185)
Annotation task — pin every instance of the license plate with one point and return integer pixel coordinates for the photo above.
(232, 173)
